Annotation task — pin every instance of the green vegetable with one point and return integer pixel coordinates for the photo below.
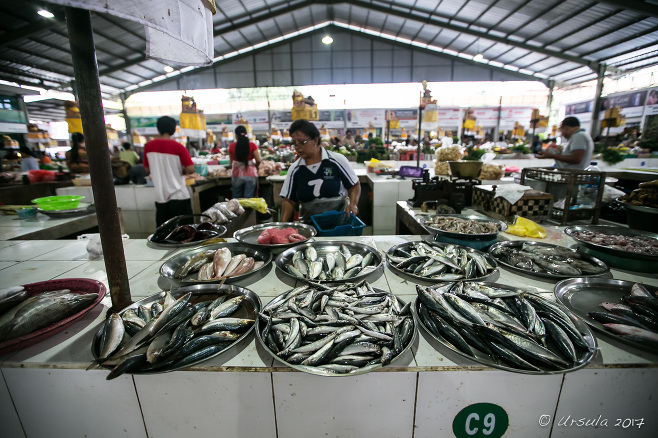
(612, 156)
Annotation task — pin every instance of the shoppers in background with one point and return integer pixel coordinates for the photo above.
(128, 155)
(348, 139)
(194, 152)
(215, 149)
(320, 180)
(244, 159)
(28, 162)
(168, 162)
(76, 157)
(501, 143)
(577, 153)
(138, 174)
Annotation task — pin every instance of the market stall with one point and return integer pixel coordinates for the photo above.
(246, 392)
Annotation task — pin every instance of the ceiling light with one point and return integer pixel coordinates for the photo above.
(168, 69)
(327, 40)
(478, 57)
(45, 13)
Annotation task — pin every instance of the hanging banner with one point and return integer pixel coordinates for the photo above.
(449, 118)
(632, 104)
(651, 107)
(364, 117)
(407, 118)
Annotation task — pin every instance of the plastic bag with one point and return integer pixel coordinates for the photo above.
(257, 204)
(526, 228)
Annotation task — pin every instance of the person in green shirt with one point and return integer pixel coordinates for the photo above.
(128, 155)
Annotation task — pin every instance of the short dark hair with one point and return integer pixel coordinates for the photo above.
(348, 131)
(571, 121)
(126, 145)
(166, 125)
(306, 127)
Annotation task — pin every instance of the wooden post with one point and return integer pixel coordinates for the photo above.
(85, 68)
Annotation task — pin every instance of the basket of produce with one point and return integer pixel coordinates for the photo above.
(546, 260)
(438, 262)
(467, 227)
(622, 310)
(275, 236)
(58, 202)
(336, 349)
(174, 330)
(336, 262)
(33, 312)
(505, 327)
(217, 263)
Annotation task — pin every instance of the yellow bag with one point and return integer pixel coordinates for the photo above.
(257, 204)
(526, 228)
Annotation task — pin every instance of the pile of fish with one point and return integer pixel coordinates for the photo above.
(512, 328)
(546, 259)
(169, 335)
(439, 262)
(21, 314)
(218, 264)
(172, 232)
(637, 320)
(276, 236)
(462, 226)
(328, 265)
(633, 244)
(336, 330)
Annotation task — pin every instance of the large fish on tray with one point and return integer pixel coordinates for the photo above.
(41, 311)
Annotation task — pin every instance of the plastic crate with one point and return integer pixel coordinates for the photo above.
(328, 222)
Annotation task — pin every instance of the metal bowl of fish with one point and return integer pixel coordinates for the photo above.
(275, 236)
(618, 241)
(505, 327)
(336, 330)
(623, 310)
(212, 231)
(336, 262)
(460, 226)
(223, 262)
(545, 260)
(437, 262)
(36, 311)
(174, 330)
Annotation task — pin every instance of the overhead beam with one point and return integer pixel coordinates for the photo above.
(640, 6)
(28, 30)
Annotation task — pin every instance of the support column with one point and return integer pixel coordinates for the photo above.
(85, 68)
(500, 110)
(596, 116)
(124, 111)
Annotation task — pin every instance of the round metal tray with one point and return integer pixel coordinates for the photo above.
(517, 244)
(220, 229)
(83, 209)
(609, 229)
(391, 265)
(484, 236)
(200, 292)
(250, 235)
(483, 359)
(318, 371)
(325, 247)
(76, 286)
(584, 295)
(169, 267)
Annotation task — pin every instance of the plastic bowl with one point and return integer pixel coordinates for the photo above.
(26, 212)
(58, 202)
(465, 169)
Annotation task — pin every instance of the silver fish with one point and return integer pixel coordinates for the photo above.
(311, 254)
(112, 335)
(345, 251)
(354, 260)
(194, 264)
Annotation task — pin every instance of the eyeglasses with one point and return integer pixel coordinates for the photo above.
(299, 144)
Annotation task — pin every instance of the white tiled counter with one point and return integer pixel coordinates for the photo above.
(46, 392)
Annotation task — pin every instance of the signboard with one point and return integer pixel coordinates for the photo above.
(15, 128)
(651, 107)
(363, 117)
(631, 103)
(408, 118)
(574, 109)
(480, 420)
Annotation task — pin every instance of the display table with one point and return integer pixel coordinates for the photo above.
(43, 227)
(46, 391)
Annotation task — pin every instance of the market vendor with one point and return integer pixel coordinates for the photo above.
(319, 180)
(577, 153)
(76, 157)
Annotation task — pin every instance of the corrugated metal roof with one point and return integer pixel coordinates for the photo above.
(563, 39)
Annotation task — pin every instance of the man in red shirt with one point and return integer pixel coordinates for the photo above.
(168, 162)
